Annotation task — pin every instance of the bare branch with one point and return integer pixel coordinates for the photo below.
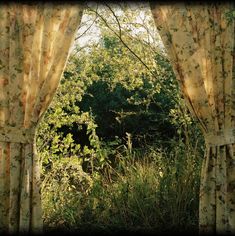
(119, 25)
(86, 29)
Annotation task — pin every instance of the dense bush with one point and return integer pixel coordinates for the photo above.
(118, 147)
(147, 192)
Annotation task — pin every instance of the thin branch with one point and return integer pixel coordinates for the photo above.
(88, 27)
(119, 25)
(77, 50)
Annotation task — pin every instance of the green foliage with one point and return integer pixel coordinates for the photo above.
(66, 131)
(149, 192)
(106, 91)
(129, 95)
(64, 188)
(118, 147)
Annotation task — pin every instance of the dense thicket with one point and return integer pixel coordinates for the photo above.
(118, 147)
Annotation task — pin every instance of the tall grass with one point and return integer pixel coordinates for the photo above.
(152, 190)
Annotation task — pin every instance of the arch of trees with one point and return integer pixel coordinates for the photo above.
(34, 46)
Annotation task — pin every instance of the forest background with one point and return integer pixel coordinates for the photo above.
(118, 148)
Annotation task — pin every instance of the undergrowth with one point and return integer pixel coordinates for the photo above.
(151, 190)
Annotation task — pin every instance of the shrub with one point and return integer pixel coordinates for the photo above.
(152, 191)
